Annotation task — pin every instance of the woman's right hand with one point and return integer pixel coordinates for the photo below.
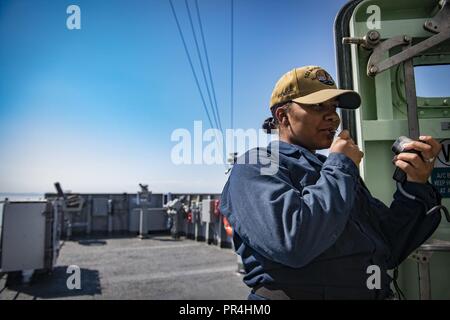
(345, 144)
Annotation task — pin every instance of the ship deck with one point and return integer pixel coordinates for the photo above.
(129, 268)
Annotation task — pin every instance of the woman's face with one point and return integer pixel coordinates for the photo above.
(311, 126)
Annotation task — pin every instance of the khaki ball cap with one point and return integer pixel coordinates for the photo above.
(311, 85)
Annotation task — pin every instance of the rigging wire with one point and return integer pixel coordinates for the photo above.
(232, 64)
(207, 63)
(190, 63)
(201, 63)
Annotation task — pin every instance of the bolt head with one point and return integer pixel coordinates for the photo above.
(373, 35)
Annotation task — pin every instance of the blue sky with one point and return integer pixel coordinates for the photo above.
(95, 108)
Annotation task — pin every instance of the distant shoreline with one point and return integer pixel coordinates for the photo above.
(22, 193)
(22, 196)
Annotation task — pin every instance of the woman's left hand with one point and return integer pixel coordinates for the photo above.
(418, 168)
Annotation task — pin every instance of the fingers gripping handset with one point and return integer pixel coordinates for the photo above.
(399, 147)
(417, 159)
(345, 144)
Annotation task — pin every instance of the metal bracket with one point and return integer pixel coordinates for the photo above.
(441, 20)
(369, 41)
(375, 64)
(439, 24)
(423, 256)
(423, 264)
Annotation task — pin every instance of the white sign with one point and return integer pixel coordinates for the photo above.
(440, 177)
(443, 159)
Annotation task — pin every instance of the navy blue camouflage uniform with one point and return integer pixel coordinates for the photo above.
(313, 228)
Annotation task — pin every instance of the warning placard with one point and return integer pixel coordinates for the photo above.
(440, 177)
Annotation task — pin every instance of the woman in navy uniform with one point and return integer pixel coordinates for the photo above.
(311, 229)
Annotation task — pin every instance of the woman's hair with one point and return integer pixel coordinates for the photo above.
(271, 123)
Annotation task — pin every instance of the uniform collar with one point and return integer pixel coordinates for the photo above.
(291, 149)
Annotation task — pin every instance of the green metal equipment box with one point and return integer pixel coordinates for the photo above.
(382, 117)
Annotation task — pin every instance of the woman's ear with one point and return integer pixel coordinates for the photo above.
(279, 115)
(282, 116)
(285, 119)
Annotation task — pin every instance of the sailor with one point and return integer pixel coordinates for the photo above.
(311, 229)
